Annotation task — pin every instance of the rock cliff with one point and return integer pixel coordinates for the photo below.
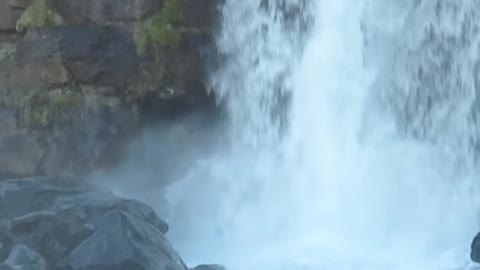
(78, 79)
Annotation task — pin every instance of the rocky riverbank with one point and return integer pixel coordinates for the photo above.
(79, 81)
(53, 224)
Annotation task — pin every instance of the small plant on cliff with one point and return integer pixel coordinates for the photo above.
(38, 14)
(163, 28)
(43, 108)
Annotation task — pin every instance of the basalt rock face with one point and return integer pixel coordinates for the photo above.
(52, 224)
(79, 79)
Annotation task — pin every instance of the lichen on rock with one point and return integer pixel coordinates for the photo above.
(38, 14)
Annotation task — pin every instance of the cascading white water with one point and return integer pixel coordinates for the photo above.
(371, 162)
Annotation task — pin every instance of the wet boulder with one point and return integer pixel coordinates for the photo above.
(475, 249)
(52, 224)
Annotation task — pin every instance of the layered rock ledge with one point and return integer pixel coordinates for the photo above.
(79, 79)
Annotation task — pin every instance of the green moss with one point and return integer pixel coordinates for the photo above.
(163, 33)
(42, 108)
(38, 14)
(142, 43)
(163, 28)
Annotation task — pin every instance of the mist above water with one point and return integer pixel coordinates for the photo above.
(352, 139)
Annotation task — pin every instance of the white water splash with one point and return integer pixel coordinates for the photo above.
(374, 164)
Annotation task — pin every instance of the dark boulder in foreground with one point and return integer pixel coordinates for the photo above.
(475, 251)
(55, 225)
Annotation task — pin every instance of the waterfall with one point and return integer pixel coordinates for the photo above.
(352, 138)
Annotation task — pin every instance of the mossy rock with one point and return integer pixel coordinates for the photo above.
(163, 29)
(43, 108)
(38, 14)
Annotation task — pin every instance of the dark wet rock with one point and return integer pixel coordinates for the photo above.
(102, 11)
(475, 249)
(50, 224)
(203, 12)
(6, 243)
(54, 124)
(79, 80)
(94, 55)
(20, 153)
(209, 267)
(24, 258)
(10, 12)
